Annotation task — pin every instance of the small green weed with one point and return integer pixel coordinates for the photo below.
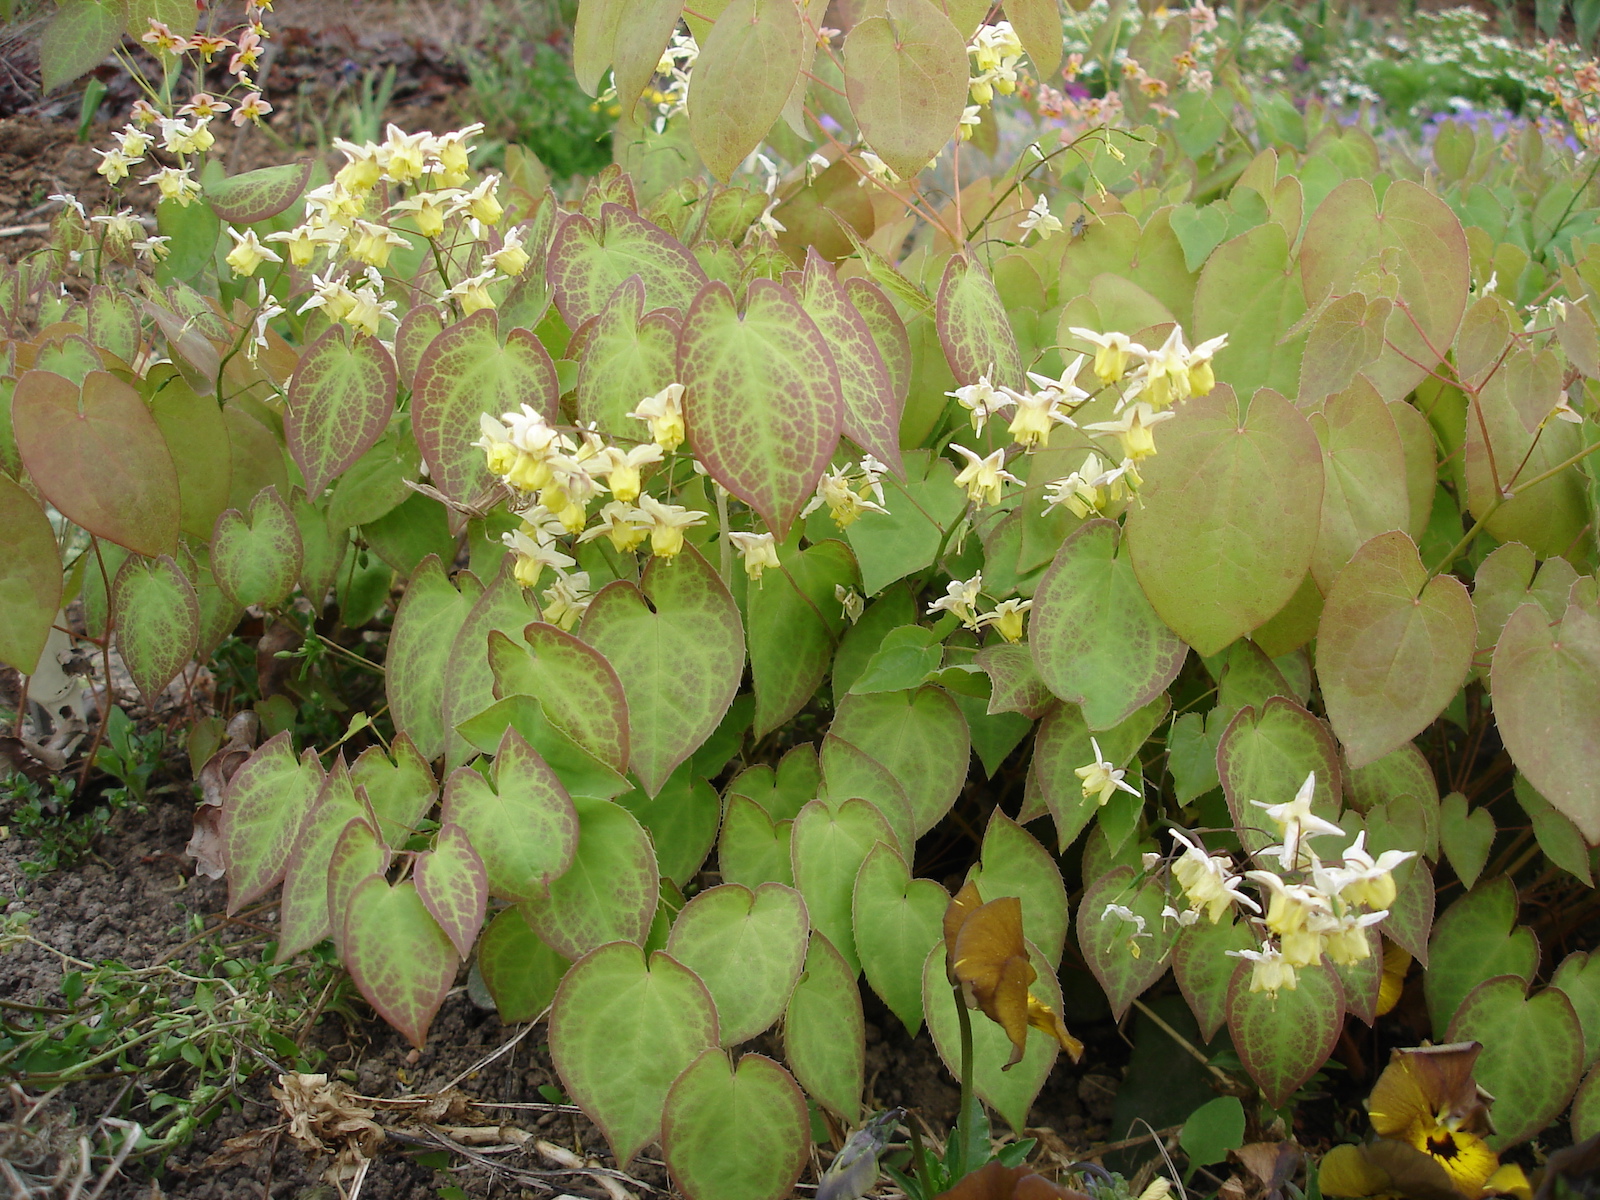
(45, 816)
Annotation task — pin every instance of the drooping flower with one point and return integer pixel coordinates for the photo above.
(983, 400)
(534, 554)
(758, 550)
(1102, 778)
(623, 468)
(1132, 430)
(983, 477)
(668, 521)
(248, 253)
(1206, 880)
(1112, 352)
(1269, 972)
(1298, 822)
(625, 526)
(567, 599)
(960, 600)
(664, 414)
(1007, 618)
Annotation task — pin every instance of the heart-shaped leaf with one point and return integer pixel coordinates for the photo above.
(1475, 939)
(973, 326)
(1393, 647)
(795, 623)
(340, 402)
(400, 789)
(682, 822)
(621, 1032)
(747, 947)
(920, 736)
(892, 545)
(157, 619)
(1248, 290)
(425, 627)
(1096, 641)
(1579, 977)
(824, 1034)
(849, 773)
(1282, 1038)
(1125, 959)
(258, 195)
(751, 848)
(627, 354)
(744, 73)
(609, 892)
(589, 258)
(905, 74)
(1364, 474)
(1201, 965)
(520, 971)
(30, 578)
(454, 886)
(1465, 837)
(196, 433)
(358, 852)
(262, 808)
(1264, 758)
(257, 559)
(468, 687)
(757, 1108)
(399, 958)
(1015, 683)
(1532, 1056)
(828, 844)
(1013, 863)
(304, 917)
(1063, 744)
(897, 922)
(578, 689)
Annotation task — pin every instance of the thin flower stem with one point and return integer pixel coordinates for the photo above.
(967, 1118)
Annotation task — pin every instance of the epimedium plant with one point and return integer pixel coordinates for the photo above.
(1241, 490)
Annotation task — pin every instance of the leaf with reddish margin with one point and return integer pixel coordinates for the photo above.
(466, 372)
(1265, 755)
(757, 1107)
(520, 971)
(872, 406)
(1393, 648)
(588, 259)
(897, 923)
(258, 195)
(890, 337)
(257, 560)
(1411, 915)
(454, 886)
(399, 958)
(905, 74)
(1063, 743)
(1096, 641)
(1013, 863)
(1228, 516)
(920, 735)
(157, 620)
(417, 330)
(1364, 473)
(425, 628)
(752, 849)
(218, 614)
(30, 578)
(1104, 938)
(1532, 1055)
(1362, 980)
(762, 399)
(573, 682)
(824, 1033)
(609, 893)
(621, 1031)
(676, 643)
(357, 853)
(850, 773)
(1283, 1039)
(340, 402)
(99, 457)
(304, 918)
(627, 354)
(744, 73)
(1014, 681)
(795, 624)
(1546, 680)
(973, 327)
(747, 947)
(468, 679)
(521, 820)
(262, 808)
(400, 792)
(828, 843)
(1202, 968)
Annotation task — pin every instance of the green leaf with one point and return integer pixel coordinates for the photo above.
(1201, 965)
(375, 485)
(1393, 647)
(77, 39)
(340, 402)
(399, 958)
(1264, 757)
(1402, 783)
(892, 545)
(262, 808)
(1228, 516)
(627, 354)
(1345, 336)
(520, 971)
(1248, 290)
(577, 688)
(1013, 863)
(400, 791)
(675, 641)
(897, 921)
(1586, 1108)
(1211, 1131)
(752, 849)
(1015, 684)
(745, 71)
(521, 820)
(98, 456)
(782, 793)
(824, 1034)
(1475, 939)
(1558, 837)
(762, 398)
(1465, 837)
(322, 549)
(157, 619)
(467, 371)
(1546, 682)
(432, 613)
(589, 258)
(828, 844)
(640, 39)
(1063, 744)
(1096, 641)
(1364, 474)
(850, 773)
(30, 578)
(454, 887)
(1009, 1092)
(905, 75)
(1125, 964)
(260, 194)
(1579, 977)
(973, 326)
(681, 820)
(1199, 231)
(904, 659)
(1283, 1039)
(795, 622)
(1532, 1056)
(920, 736)
(1038, 26)
(468, 686)
(621, 1032)
(756, 1112)
(256, 560)
(609, 892)
(748, 947)
(304, 915)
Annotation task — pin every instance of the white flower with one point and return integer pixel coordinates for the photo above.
(1206, 880)
(1041, 220)
(664, 414)
(1185, 918)
(1298, 822)
(851, 602)
(1102, 778)
(983, 400)
(960, 599)
(533, 556)
(984, 478)
(1127, 917)
(759, 551)
(1270, 973)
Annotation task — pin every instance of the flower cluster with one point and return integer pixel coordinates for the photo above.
(671, 98)
(961, 601)
(849, 491)
(996, 52)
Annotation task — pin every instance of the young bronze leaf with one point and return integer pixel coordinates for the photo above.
(304, 917)
(399, 958)
(1283, 1038)
(973, 326)
(610, 891)
(628, 354)
(757, 1108)
(466, 372)
(1546, 680)
(621, 1031)
(1096, 641)
(262, 808)
(425, 628)
(897, 923)
(679, 657)
(905, 74)
(157, 619)
(589, 258)
(454, 887)
(762, 398)
(1228, 516)
(98, 455)
(30, 578)
(1393, 647)
(520, 971)
(1248, 290)
(257, 560)
(260, 194)
(522, 822)
(578, 689)
(747, 947)
(340, 402)
(743, 76)
(824, 1034)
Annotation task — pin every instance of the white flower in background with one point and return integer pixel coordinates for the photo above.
(1040, 220)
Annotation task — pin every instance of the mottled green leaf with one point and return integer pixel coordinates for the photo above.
(609, 892)
(257, 559)
(1013, 863)
(757, 1108)
(752, 849)
(258, 195)
(340, 402)
(627, 354)
(1201, 965)
(1250, 290)
(577, 688)
(520, 971)
(431, 615)
(897, 922)
(1532, 1057)
(824, 1034)
(304, 915)
(399, 958)
(974, 328)
(1283, 1038)
(920, 735)
(828, 844)
(262, 808)
(589, 258)
(1263, 759)
(748, 947)
(1476, 939)
(157, 619)
(1123, 960)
